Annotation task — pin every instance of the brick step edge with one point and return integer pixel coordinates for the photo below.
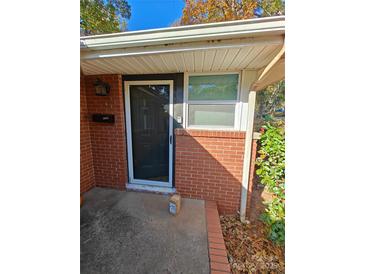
(217, 249)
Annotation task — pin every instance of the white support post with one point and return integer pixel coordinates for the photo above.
(247, 153)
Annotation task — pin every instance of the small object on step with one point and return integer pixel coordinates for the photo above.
(174, 204)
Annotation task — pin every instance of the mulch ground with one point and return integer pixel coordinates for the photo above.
(249, 251)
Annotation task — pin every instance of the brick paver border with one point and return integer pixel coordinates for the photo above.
(217, 249)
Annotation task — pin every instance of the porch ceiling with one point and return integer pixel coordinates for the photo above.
(248, 57)
(227, 46)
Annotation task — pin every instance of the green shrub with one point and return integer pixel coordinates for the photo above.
(271, 171)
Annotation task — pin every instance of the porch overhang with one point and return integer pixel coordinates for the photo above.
(273, 72)
(225, 46)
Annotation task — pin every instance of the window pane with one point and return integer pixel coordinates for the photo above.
(211, 115)
(213, 87)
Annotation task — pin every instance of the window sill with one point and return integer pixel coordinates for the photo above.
(213, 133)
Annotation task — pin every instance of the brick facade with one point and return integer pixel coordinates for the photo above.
(87, 180)
(209, 166)
(108, 140)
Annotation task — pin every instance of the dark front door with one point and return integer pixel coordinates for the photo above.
(149, 132)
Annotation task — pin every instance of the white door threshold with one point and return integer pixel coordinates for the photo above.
(155, 189)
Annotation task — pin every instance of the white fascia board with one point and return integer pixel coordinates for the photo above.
(211, 31)
(182, 47)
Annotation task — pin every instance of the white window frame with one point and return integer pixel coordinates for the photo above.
(237, 102)
(131, 178)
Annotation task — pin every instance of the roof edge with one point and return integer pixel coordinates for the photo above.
(210, 31)
(187, 27)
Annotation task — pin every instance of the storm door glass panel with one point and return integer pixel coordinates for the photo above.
(150, 131)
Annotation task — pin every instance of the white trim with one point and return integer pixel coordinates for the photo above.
(156, 189)
(248, 77)
(237, 117)
(213, 102)
(247, 154)
(181, 47)
(220, 128)
(171, 131)
(127, 84)
(212, 31)
(236, 103)
(213, 73)
(273, 72)
(190, 27)
(185, 99)
(239, 106)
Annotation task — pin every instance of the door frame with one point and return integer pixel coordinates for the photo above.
(127, 85)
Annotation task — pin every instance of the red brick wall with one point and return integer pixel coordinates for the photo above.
(209, 166)
(108, 140)
(87, 180)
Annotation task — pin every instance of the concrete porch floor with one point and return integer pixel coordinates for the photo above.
(131, 232)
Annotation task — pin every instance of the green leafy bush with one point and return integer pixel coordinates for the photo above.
(271, 171)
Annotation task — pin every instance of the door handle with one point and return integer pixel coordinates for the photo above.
(170, 139)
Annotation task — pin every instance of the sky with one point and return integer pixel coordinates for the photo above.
(150, 14)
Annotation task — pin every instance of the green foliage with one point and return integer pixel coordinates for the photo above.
(271, 171)
(272, 7)
(270, 105)
(208, 11)
(103, 16)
